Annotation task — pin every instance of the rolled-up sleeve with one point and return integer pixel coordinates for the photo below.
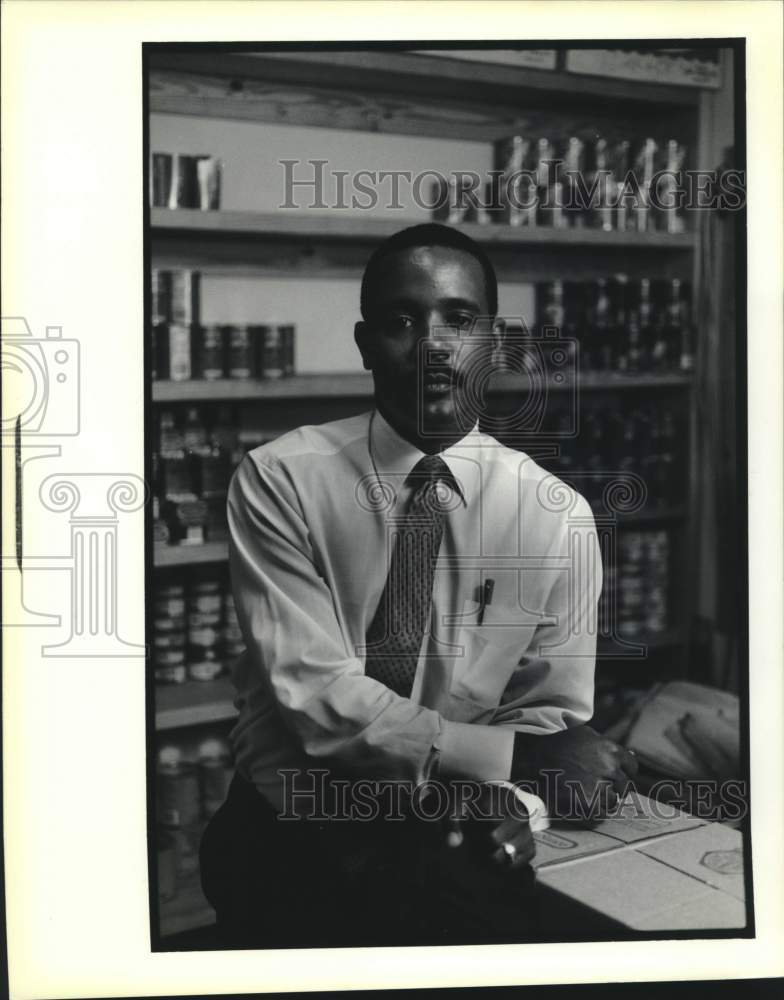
(553, 686)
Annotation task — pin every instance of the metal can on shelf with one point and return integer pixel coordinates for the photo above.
(178, 789)
(272, 361)
(207, 668)
(163, 623)
(167, 866)
(240, 351)
(169, 601)
(173, 673)
(210, 352)
(173, 344)
(205, 596)
(216, 771)
(185, 300)
(287, 338)
(208, 182)
(168, 639)
(161, 178)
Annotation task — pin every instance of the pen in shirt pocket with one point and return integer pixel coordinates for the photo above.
(485, 599)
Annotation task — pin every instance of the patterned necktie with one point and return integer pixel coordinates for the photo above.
(394, 638)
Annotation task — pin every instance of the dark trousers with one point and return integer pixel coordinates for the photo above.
(338, 883)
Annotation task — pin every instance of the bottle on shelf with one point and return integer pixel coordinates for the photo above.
(618, 355)
(169, 633)
(514, 189)
(179, 807)
(677, 326)
(576, 211)
(621, 213)
(669, 183)
(600, 180)
(644, 169)
(597, 350)
(175, 471)
(549, 191)
(215, 773)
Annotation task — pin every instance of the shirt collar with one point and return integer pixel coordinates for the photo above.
(395, 457)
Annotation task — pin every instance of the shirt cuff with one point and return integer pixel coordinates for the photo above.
(480, 753)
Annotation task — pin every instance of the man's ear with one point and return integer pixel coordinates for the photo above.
(363, 340)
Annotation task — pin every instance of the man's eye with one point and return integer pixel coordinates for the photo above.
(461, 321)
(401, 321)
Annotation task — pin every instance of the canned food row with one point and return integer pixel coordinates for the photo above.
(195, 630)
(638, 587)
(216, 351)
(188, 792)
(185, 181)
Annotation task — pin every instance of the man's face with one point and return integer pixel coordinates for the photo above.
(422, 341)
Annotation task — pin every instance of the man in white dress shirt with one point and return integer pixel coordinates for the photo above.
(489, 678)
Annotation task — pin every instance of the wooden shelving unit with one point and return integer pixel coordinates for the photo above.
(408, 94)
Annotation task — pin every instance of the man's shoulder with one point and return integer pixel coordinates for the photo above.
(311, 441)
(534, 487)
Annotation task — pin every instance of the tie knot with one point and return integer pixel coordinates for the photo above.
(430, 469)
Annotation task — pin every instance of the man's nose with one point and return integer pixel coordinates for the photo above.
(441, 342)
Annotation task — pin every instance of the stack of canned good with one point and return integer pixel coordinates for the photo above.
(188, 793)
(185, 181)
(195, 629)
(622, 326)
(581, 180)
(240, 351)
(641, 583)
(184, 348)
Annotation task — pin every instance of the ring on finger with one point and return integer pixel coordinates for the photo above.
(510, 852)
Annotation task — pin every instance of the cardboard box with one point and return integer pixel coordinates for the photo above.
(654, 868)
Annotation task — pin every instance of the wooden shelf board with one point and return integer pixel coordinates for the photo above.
(360, 385)
(659, 640)
(193, 703)
(652, 514)
(306, 225)
(189, 555)
(297, 387)
(418, 74)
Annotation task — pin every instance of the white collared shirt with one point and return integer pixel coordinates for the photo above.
(310, 517)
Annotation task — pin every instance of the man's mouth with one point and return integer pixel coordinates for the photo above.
(437, 383)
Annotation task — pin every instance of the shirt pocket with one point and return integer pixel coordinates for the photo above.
(485, 658)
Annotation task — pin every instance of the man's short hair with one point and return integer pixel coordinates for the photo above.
(429, 234)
